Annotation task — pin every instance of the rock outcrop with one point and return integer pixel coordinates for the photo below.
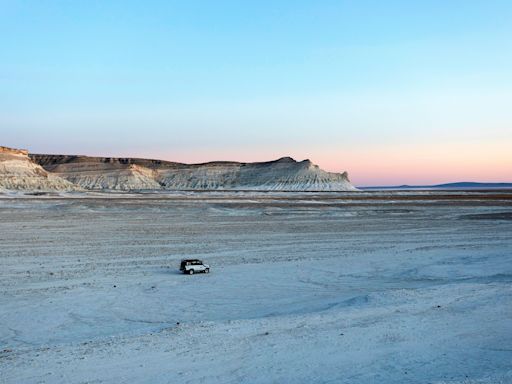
(285, 174)
(19, 172)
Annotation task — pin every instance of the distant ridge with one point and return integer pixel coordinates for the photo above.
(457, 185)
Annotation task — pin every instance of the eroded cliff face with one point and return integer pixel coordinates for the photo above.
(101, 173)
(19, 172)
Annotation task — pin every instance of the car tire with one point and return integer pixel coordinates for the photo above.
(207, 270)
(190, 271)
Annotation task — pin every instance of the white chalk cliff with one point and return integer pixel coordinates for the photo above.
(65, 172)
(19, 172)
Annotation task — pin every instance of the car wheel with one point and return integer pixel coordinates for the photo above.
(190, 271)
(207, 270)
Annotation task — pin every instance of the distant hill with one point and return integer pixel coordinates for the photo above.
(458, 185)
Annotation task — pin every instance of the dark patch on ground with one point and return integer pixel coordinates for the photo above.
(489, 216)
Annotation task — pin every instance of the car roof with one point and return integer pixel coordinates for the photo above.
(183, 260)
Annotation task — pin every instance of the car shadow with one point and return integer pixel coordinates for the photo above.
(168, 271)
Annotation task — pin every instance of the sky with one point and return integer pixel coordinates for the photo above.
(394, 92)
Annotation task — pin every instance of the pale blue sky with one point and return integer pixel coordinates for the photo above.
(392, 91)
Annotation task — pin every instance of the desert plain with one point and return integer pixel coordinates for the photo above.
(349, 287)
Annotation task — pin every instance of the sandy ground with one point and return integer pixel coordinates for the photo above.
(304, 288)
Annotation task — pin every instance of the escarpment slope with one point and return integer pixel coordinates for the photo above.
(105, 173)
(100, 173)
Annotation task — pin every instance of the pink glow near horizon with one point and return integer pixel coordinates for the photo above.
(424, 165)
